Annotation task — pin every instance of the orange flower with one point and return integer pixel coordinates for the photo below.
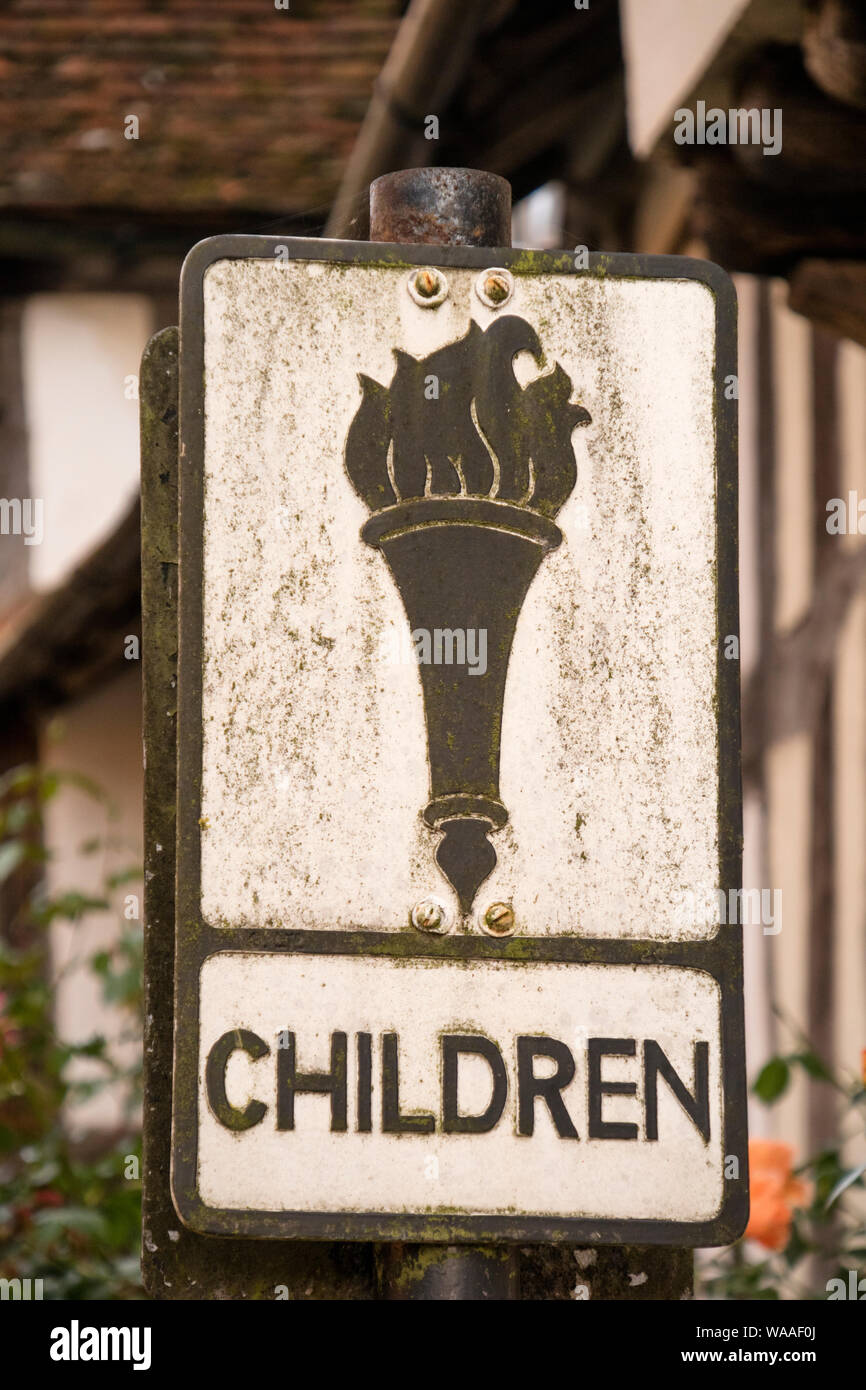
(774, 1192)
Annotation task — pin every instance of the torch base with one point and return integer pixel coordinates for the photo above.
(466, 857)
(466, 511)
(481, 808)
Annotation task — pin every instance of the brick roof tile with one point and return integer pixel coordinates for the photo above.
(240, 105)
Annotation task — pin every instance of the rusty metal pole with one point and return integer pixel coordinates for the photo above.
(448, 1273)
(441, 207)
(444, 207)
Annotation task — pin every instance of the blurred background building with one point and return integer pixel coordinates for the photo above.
(129, 130)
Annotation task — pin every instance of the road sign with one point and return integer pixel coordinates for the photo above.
(458, 723)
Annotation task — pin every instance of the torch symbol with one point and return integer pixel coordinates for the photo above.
(463, 480)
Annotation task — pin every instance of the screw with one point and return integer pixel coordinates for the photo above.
(499, 919)
(427, 287)
(496, 287)
(427, 283)
(428, 915)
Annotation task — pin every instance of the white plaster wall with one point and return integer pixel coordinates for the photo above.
(756, 942)
(850, 759)
(78, 352)
(537, 219)
(667, 44)
(789, 764)
(99, 737)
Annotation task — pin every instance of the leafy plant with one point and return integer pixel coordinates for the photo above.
(822, 1235)
(69, 1207)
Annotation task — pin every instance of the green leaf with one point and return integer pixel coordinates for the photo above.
(13, 853)
(813, 1065)
(772, 1080)
(847, 1180)
(797, 1246)
(18, 816)
(54, 1221)
(94, 1047)
(69, 906)
(48, 786)
(18, 780)
(128, 875)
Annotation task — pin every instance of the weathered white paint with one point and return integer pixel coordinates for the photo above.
(314, 750)
(309, 1168)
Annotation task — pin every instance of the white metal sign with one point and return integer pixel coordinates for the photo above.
(458, 785)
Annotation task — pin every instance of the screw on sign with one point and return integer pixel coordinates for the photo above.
(499, 919)
(435, 900)
(494, 287)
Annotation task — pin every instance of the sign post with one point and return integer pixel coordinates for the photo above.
(458, 790)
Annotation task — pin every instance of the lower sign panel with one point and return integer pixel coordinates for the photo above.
(508, 1095)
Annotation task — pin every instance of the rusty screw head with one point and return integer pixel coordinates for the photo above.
(426, 283)
(494, 287)
(429, 915)
(498, 920)
(428, 287)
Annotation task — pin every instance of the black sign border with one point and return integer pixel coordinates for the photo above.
(196, 940)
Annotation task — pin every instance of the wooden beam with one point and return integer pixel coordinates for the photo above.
(834, 49)
(792, 679)
(59, 646)
(823, 146)
(826, 483)
(14, 473)
(535, 87)
(426, 60)
(663, 208)
(761, 231)
(832, 293)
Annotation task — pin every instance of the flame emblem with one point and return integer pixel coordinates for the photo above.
(463, 471)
